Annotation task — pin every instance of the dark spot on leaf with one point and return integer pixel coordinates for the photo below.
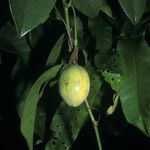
(59, 133)
(112, 79)
(118, 55)
(114, 59)
(71, 134)
(63, 142)
(93, 78)
(65, 147)
(59, 113)
(53, 133)
(97, 52)
(53, 142)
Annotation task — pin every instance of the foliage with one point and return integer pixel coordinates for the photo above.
(112, 39)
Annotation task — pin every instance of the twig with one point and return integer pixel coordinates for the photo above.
(95, 125)
(65, 6)
(75, 27)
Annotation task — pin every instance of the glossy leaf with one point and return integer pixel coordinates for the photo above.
(27, 14)
(134, 9)
(134, 88)
(68, 121)
(30, 105)
(55, 52)
(89, 8)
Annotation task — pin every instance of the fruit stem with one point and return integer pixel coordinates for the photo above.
(75, 27)
(65, 6)
(62, 19)
(95, 125)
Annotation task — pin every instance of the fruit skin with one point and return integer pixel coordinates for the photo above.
(74, 85)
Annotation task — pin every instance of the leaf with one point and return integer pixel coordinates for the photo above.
(40, 119)
(113, 79)
(132, 31)
(29, 111)
(134, 9)
(10, 43)
(36, 35)
(21, 91)
(106, 9)
(101, 32)
(147, 7)
(27, 14)
(68, 121)
(89, 8)
(80, 30)
(134, 88)
(112, 108)
(105, 58)
(55, 52)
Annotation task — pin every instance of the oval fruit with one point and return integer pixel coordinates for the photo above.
(74, 85)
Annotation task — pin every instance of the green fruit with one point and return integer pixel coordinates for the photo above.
(74, 85)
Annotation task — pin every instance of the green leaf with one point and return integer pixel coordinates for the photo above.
(21, 91)
(40, 119)
(106, 9)
(89, 8)
(147, 7)
(35, 36)
(134, 88)
(27, 14)
(105, 58)
(68, 121)
(113, 79)
(29, 111)
(55, 52)
(80, 30)
(101, 32)
(134, 9)
(10, 43)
